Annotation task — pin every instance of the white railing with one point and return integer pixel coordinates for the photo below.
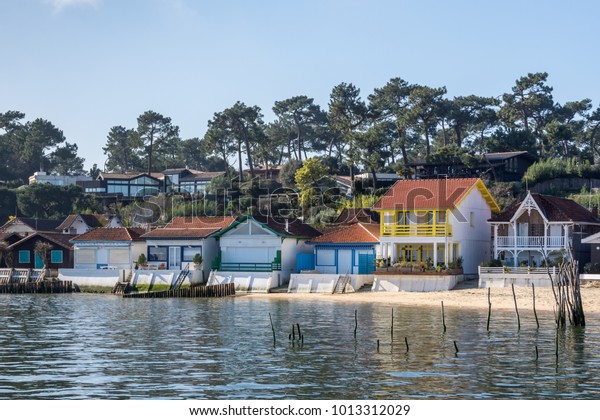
(535, 242)
(517, 270)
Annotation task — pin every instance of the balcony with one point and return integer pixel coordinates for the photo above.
(531, 242)
(416, 230)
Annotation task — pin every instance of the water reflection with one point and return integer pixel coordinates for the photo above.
(87, 346)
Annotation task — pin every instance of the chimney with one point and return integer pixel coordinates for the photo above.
(287, 224)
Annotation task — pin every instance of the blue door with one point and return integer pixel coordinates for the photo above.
(366, 263)
(305, 262)
(39, 263)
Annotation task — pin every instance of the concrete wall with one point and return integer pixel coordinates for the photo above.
(408, 283)
(507, 279)
(108, 278)
(245, 282)
(290, 248)
(324, 283)
(101, 278)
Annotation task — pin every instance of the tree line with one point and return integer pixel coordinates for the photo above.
(394, 125)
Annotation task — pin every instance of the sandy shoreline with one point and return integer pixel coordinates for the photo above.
(471, 298)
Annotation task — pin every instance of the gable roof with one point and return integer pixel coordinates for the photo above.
(92, 220)
(190, 227)
(55, 238)
(496, 156)
(424, 194)
(355, 233)
(553, 209)
(356, 215)
(36, 225)
(111, 234)
(294, 228)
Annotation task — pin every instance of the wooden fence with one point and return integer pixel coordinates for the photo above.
(219, 290)
(44, 286)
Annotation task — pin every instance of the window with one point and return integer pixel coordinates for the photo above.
(189, 252)
(441, 217)
(158, 253)
(24, 257)
(119, 256)
(85, 256)
(388, 218)
(56, 257)
(326, 257)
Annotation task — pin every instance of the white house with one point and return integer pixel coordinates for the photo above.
(114, 248)
(540, 225)
(263, 244)
(77, 224)
(437, 221)
(176, 244)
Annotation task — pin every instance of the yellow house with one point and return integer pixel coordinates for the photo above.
(437, 221)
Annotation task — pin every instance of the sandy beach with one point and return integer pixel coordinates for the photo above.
(467, 297)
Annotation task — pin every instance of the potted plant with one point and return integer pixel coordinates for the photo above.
(197, 272)
(142, 261)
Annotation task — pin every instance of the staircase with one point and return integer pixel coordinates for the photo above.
(122, 287)
(340, 285)
(181, 278)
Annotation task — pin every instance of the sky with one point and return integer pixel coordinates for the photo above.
(89, 65)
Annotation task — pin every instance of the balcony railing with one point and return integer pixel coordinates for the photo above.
(417, 230)
(533, 242)
(249, 267)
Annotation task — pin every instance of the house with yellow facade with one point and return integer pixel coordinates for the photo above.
(436, 222)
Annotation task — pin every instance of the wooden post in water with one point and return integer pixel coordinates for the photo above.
(392, 328)
(300, 336)
(377, 345)
(534, 312)
(355, 323)
(537, 354)
(489, 308)
(455, 347)
(272, 328)
(406, 342)
(516, 309)
(443, 317)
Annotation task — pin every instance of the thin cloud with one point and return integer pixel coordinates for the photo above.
(62, 4)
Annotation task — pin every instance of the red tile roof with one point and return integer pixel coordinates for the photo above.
(219, 222)
(190, 227)
(355, 233)
(111, 234)
(424, 194)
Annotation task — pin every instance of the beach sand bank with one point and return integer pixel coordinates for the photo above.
(469, 297)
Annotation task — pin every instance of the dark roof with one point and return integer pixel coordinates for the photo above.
(10, 237)
(92, 220)
(39, 225)
(491, 157)
(55, 238)
(355, 215)
(554, 209)
(131, 175)
(112, 234)
(201, 176)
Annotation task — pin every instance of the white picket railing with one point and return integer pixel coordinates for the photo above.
(536, 242)
(517, 270)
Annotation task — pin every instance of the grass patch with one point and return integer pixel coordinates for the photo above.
(95, 289)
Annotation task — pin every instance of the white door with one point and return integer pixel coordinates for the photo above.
(345, 261)
(174, 258)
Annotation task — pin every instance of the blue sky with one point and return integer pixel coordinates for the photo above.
(88, 65)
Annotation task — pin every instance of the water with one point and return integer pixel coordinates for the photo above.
(105, 347)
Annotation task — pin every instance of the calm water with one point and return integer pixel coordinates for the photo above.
(98, 346)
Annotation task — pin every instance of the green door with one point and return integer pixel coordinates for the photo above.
(39, 263)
